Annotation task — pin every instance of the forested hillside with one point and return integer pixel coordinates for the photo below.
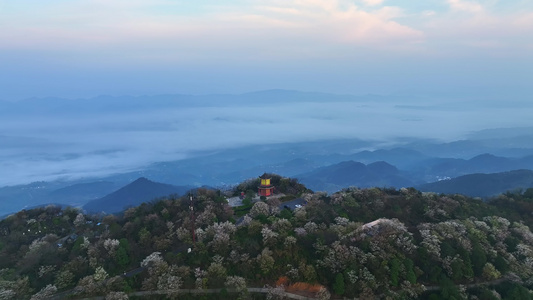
(365, 243)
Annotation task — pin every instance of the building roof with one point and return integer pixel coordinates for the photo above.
(293, 204)
(265, 176)
(266, 187)
(374, 223)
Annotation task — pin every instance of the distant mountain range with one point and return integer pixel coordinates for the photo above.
(484, 163)
(482, 185)
(133, 194)
(351, 173)
(326, 165)
(15, 198)
(331, 178)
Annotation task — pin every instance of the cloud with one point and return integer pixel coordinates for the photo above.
(90, 47)
(88, 144)
(460, 5)
(141, 25)
(110, 33)
(373, 2)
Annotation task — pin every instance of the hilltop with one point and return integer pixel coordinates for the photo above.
(365, 243)
(135, 193)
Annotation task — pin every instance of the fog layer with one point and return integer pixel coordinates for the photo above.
(48, 139)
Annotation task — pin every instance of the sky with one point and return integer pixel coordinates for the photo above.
(445, 68)
(86, 48)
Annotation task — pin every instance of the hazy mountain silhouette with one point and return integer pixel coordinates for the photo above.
(484, 163)
(133, 194)
(350, 173)
(401, 157)
(82, 192)
(482, 185)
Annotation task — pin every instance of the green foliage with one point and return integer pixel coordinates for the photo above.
(448, 289)
(77, 245)
(467, 270)
(409, 267)
(325, 245)
(478, 258)
(395, 271)
(457, 270)
(285, 214)
(247, 201)
(446, 249)
(501, 264)
(528, 194)
(518, 292)
(338, 287)
(487, 294)
(511, 242)
(122, 257)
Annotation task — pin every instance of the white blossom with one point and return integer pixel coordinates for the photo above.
(300, 231)
(341, 221)
(275, 293)
(236, 282)
(45, 293)
(323, 294)
(184, 234)
(282, 225)
(259, 208)
(289, 241)
(43, 270)
(292, 272)
(111, 245)
(310, 227)
(7, 294)
(352, 276)
(246, 220)
(100, 274)
(152, 259)
(80, 220)
(85, 244)
(269, 236)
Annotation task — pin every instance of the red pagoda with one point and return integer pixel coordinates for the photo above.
(265, 189)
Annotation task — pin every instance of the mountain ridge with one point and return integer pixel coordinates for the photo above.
(135, 193)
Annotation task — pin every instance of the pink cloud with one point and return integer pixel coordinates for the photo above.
(460, 5)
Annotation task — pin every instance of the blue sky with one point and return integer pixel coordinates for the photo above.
(85, 48)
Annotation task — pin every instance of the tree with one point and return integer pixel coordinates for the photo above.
(338, 287)
(490, 272)
(478, 258)
(45, 293)
(64, 279)
(501, 264)
(80, 220)
(259, 209)
(395, 272)
(266, 261)
(448, 289)
(409, 265)
(323, 294)
(100, 274)
(238, 283)
(122, 256)
(518, 293)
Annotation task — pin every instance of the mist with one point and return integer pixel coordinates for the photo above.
(44, 140)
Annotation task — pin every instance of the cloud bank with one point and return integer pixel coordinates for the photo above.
(80, 143)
